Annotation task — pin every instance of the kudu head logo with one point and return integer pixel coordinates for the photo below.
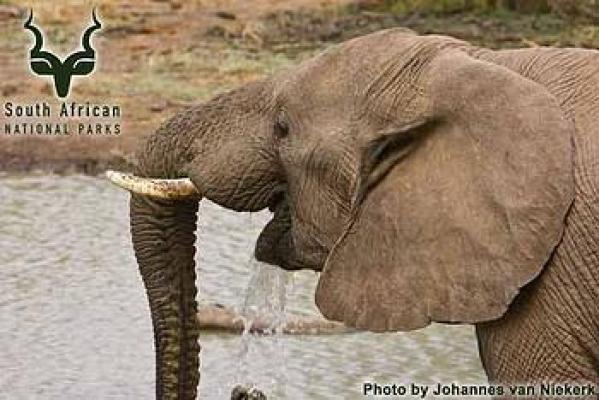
(81, 62)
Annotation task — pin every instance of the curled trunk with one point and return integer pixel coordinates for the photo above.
(210, 154)
(163, 233)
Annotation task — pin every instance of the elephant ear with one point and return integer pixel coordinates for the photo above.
(470, 209)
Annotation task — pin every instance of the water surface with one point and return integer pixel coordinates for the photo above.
(74, 322)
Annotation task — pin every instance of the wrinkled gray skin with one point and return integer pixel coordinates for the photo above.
(428, 180)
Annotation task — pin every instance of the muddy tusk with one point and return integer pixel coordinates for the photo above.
(158, 188)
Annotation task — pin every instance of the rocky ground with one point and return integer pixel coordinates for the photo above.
(157, 57)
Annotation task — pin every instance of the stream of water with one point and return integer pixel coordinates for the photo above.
(74, 321)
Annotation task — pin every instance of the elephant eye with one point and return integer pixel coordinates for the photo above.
(281, 127)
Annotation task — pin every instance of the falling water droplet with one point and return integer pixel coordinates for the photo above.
(264, 303)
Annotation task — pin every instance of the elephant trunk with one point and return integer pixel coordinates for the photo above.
(163, 233)
(199, 153)
(163, 224)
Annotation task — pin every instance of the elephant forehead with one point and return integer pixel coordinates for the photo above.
(316, 79)
(332, 71)
(344, 72)
(315, 103)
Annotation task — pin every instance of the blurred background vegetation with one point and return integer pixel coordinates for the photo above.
(497, 23)
(570, 9)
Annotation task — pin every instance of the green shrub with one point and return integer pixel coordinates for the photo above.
(450, 6)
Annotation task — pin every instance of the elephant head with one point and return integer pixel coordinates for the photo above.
(423, 184)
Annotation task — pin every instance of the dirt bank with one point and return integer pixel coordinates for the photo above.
(158, 57)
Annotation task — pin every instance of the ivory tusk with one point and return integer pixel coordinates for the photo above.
(158, 188)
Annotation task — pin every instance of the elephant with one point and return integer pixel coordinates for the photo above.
(424, 178)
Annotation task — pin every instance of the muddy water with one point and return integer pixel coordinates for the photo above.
(74, 322)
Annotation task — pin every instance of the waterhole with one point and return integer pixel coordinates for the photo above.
(74, 321)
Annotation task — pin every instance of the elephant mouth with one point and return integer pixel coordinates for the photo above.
(276, 200)
(272, 246)
(276, 245)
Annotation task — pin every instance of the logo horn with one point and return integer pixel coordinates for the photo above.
(39, 39)
(85, 40)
